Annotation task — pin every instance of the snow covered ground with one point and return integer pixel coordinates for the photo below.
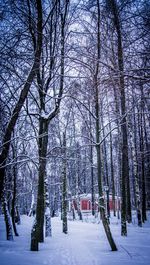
(85, 244)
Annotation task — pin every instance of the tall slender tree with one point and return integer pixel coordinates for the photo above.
(125, 181)
(98, 146)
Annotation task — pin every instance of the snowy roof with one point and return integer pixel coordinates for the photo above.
(88, 196)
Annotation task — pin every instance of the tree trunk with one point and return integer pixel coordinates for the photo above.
(92, 181)
(144, 218)
(64, 187)
(43, 142)
(78, 182)
(91, 165)
(101, 199)
(136, 169)
(48, 227)
(112, 174)
(73, 210)
(34, 242)
(125, 181)
(9, 233)
(39, 224)
(111, 164)
(117, 110)
(13, 210)
(18, 219)
(98, 149)
(147, 160)
(31, 212)
(106, 176)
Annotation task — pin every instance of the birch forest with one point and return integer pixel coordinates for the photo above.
(74, 113)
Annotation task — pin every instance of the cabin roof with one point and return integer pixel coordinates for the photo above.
(87, 196)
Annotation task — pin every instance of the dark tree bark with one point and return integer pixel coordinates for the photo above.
(98, 149)
(64, 187)
(91, 165)
(125, 181)
(9, 232)
(112, 164)
(34, 242)
(136, 167)
(106, 176)
(147, 161)
(43, 142)
(142, 149)
(13, 210)
(37, 234)
(78, 181)
(92, 182)
(119, 145)
(101, 199)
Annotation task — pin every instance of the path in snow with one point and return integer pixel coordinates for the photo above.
(85, 244)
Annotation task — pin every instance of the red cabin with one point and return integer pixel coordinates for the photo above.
(85, 204)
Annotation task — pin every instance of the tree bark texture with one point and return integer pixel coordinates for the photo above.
(13, 210)
(8, 223)
(98, 149)
(125, 181)
(64, 187)
(38, 231)
(48, 228)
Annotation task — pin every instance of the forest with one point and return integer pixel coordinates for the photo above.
(74, 115)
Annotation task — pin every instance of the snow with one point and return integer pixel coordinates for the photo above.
(84, 244)
(44, 115)
(47, 211)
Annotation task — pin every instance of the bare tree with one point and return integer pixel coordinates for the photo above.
(58, 14)
(15, 114)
